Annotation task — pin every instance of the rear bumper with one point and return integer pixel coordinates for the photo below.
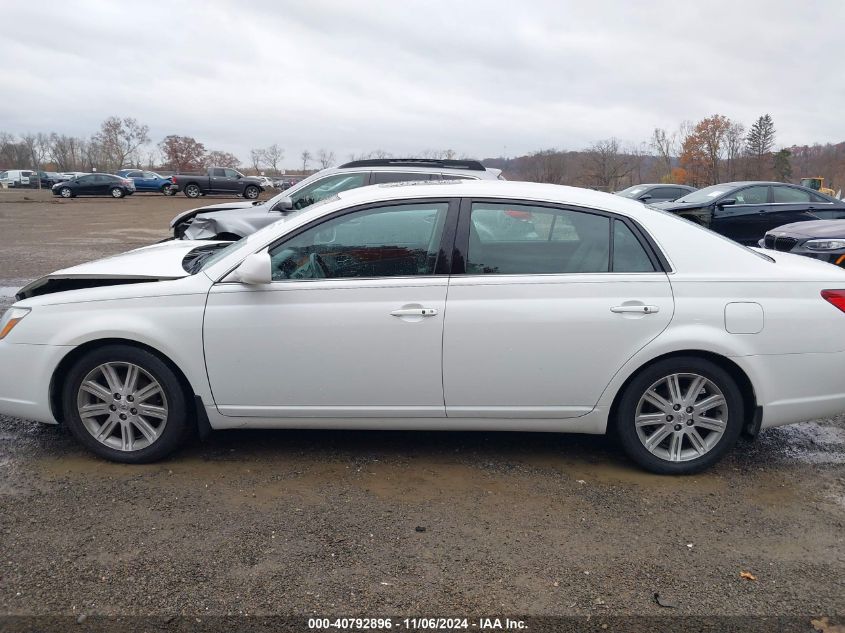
(797, 387)
(25, 375)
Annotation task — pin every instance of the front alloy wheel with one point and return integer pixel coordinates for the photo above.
(122, 406)
(66, 192)
(126, 404)
(116, 192)
(679, 416)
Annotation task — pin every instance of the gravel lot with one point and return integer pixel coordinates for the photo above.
(378, 523)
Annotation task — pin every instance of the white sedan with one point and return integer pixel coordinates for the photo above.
(463, 305)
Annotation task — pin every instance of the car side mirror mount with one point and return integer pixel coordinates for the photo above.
(727, 202)
(285, 204)
(255, 269)
(645, 198)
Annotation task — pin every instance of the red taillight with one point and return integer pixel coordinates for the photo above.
(836, 297)
(519, 215)
(173, 179)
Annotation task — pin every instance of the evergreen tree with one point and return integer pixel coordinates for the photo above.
(782, 166)
(759, 142)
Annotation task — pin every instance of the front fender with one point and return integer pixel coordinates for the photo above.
(169, 324)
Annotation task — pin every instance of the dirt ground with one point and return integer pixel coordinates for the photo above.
(378, 523)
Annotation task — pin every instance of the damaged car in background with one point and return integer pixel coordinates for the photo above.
(233, 220)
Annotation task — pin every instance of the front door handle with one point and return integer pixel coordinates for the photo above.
(404, 312)
(636, 309)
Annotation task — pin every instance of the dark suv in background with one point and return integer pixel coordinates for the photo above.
(745, 211)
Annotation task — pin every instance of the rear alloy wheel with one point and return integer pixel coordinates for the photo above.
(117, 192)
(679, 416)
(192, 191)
(66, 192)
(125, 404)
(252, 192)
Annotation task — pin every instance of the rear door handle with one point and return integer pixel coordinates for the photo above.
(636, 309)
(426, 312)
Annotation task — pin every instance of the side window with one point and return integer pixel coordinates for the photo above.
(148, 175)
(327, 187)
(389, 176)
(629, 256)
(218, 172)
(788, 194)
(230, 173)
(663, 193)
(399, 240)
(752, 195)
(456, 177)
(86, 180)
(817, 198)
(523, 239)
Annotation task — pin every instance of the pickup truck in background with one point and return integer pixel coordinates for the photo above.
(218, 180)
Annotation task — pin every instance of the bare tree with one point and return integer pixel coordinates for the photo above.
(37, 146)
(274, 155)
(256, 157)
(119, 139)
(606, 164)
(325, 157)
(734, 141)
(305, 156)
(547, 165)
(666, 147)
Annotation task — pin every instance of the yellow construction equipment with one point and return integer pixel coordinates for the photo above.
(817, 184)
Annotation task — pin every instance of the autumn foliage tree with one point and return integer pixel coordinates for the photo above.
(703, 149)
(182, 153)
(216, 158)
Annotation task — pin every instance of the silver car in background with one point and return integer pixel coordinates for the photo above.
(236, 219)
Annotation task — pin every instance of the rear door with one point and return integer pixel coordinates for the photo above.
(549, 303)
(805, 204)
(217, 180)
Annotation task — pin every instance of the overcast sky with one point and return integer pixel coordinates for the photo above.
(483, 78)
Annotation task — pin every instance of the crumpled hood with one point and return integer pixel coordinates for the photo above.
(149, 263)
(223, 206)
(813, 228)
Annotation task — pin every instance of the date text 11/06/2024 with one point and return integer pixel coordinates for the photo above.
(422, 624)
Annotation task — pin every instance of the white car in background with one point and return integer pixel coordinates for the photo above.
(463, 305)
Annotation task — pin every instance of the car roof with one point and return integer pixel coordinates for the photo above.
(504, 189)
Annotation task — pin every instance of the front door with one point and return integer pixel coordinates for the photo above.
(553, 302)
(752, 214)
(351, 325)
(86, 185)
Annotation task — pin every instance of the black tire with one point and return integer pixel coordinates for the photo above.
(179, 423)
(251, 192)
(624, 422)
(192, 190)
(117, 192)
(167, 190)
